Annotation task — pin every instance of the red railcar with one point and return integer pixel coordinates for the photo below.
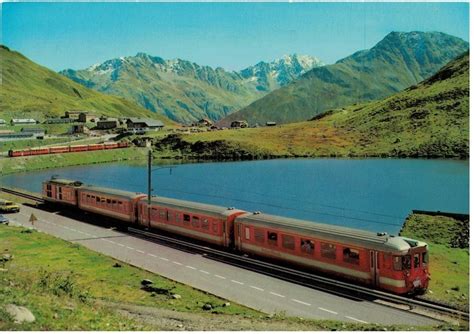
(59, 149)
(61, 191)
(66, 149)
(114, 203)
(210, 223)
(79, 148)
(391, 263)
(94, 147)
(109, 146)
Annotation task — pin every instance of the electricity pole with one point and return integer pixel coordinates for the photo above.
(150, 158)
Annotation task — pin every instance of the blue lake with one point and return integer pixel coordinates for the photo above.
(370, 194)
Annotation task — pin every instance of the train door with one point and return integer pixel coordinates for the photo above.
(374, 267)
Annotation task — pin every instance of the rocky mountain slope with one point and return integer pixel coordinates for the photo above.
(185, 91)
(30, 90)
(395, 63)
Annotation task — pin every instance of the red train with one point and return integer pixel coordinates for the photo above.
(65, 149)
(391, 263)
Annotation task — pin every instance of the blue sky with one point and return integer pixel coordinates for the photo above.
(230, 35)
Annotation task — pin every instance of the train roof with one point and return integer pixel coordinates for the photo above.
(195, 206)
(113, 192)
(377, 241)
(66, 182)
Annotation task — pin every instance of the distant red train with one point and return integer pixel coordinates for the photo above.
(391, 263)
(65, 149)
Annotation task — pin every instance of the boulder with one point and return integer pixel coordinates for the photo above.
(19, 314)
(207, 307)
(176, 296)
(226, 304)
(147, 282)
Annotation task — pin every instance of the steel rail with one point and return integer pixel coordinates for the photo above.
(21, 194)
(307, 279)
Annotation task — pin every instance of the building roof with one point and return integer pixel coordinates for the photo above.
(23, 120)
(361, 238)
(35, 130)
(192, 206)
(113, 192)
(147, 121)
(65, 182)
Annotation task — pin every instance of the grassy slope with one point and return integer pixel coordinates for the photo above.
(30, 90)
(429, 119)
(68, 287)
(26, 164)
(398, 61)
(449, 266)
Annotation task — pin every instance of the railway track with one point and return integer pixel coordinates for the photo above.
(22, 194)
(299, 277)
(310, 280)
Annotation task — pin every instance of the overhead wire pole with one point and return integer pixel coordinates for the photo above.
(150, 161)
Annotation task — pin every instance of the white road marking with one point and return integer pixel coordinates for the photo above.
(152, 255)
(164, 259)
(140, 251)
(358, 320)
(219, 276)
(191, 267)
(300, 302)
(130, 248)
(204, 272)
(179, 264)
(326, 310)
(120, 245)
(73, 230)
(237, 282)
(276, 294)
(256, 288)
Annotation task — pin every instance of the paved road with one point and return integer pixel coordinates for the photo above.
(245, 287)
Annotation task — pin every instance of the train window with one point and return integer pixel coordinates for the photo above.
(350, 255)
(114, 202)
(247, 233)
(108, 201)
(288, 242)
(205, 224)
(406, 262)
(120, 203)
(416, 261)
(259, 236)
(162, 213)
(102, 199)
(169, 216)
(97, 199)
(397, 263)
(328, 250)
(424, 258)
(307, 246)
(195, 221)
(186, 219)
(272, 238)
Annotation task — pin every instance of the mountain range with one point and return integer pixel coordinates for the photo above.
(29, 90)
(429, 119)
(185, 91)
(395, 63)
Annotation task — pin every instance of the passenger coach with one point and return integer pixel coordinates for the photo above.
(114, 203)
(210, 223)
(391, 263)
